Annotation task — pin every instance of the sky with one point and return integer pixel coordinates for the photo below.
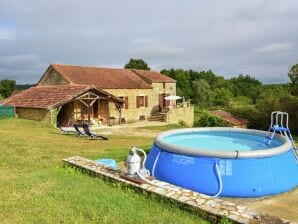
(231, 37)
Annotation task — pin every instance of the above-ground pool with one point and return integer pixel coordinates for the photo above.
(231, 162)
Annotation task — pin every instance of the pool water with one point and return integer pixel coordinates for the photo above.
(226, 141)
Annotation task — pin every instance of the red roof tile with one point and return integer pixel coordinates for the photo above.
(105, 78)
(229, 117)
(152, 76)
(47, 97)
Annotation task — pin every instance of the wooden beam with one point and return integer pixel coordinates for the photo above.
(84, 103)
(94, 101)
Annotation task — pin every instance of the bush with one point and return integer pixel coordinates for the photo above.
(208, 120)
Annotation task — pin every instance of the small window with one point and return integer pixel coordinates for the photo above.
(142, 101)
(164, 85)
(142, 117)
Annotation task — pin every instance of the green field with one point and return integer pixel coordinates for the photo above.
(36, 188)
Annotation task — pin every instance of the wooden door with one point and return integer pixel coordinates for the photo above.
(161, 102)
(95, 109)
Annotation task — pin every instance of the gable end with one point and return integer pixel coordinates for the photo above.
(52, 77)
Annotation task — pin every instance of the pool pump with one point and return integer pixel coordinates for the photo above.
(135, 165)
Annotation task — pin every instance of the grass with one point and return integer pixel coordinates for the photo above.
(36, 188)
(164, 127)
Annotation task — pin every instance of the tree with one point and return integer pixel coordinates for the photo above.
(137, 64)
(183, 81)
(293, 75)
(201, 92)
(221, 97)
(245, 85)
(7, 87)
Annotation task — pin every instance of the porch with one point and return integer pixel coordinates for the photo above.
(91, 107)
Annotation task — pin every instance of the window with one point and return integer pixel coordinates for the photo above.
(164, 85)
(142, 101)
(125, 104)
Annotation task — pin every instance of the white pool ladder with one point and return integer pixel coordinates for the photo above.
(280, 123)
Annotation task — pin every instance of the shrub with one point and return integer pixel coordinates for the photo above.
(208, 120)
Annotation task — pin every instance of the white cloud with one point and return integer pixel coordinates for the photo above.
(19, 61)
(6, 34)
(274, 47)
(158, 51)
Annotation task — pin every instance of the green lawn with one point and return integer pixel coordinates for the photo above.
(36, 188)
(163, 128)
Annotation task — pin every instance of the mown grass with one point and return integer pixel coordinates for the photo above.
(164, 127)
(35, 187)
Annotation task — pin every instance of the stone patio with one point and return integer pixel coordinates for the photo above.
(212, 208)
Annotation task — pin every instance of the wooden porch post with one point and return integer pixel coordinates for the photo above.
(88, 111)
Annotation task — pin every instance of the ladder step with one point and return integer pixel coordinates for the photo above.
(278, 129)
(269, 137)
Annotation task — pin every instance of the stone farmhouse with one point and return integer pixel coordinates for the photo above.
(68, 94)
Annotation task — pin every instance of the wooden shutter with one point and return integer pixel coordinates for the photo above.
(137, 101)
(126, 102)
(146, 101)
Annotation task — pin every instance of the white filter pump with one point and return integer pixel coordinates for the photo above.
(134, 164)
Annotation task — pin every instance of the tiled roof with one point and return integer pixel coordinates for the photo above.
(104, 78)
(47, 97)
(229, 117)
(152, 76)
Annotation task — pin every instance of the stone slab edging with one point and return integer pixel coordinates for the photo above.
(211, 207)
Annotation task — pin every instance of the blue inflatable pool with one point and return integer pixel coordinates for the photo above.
(229, 162)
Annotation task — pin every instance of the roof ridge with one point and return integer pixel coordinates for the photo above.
(89, 66)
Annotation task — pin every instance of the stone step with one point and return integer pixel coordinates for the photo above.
(155, 118)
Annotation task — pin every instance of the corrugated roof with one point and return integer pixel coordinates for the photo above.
(47, 97)
(229, 117)
(104, 78)
(152, 76)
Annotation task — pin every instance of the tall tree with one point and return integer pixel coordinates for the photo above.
(7, 87)
(293, 75)
(201, 92)
(137, 64)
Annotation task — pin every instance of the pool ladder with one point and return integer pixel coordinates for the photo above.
(280, 123)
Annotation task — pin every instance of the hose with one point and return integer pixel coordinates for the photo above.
(219, 181)
(155, 162)
(143, 167)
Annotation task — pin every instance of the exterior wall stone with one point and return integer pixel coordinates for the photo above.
(132, 113)
(52, 78)
(170, 88)
(178, 114)
(34, 114)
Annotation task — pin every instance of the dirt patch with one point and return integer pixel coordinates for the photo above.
(283, 205)
(133, 129)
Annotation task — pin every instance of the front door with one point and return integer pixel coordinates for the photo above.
(162, 102)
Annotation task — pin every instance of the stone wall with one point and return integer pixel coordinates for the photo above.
(133, 113)
(34, 114)
(52, 78)
(183, 113)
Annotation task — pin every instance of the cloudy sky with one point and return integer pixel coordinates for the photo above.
(255, 37)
